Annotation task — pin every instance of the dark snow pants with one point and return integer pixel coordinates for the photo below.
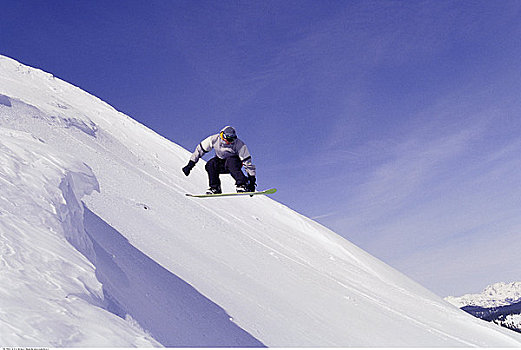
(231, 165)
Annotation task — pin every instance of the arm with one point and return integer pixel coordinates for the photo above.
(204, 147)
(244, 155)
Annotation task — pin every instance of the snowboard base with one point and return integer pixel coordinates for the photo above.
(251, 194)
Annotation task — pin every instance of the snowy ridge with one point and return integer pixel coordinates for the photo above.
(233, 272)
(48, 287)
(495, 295)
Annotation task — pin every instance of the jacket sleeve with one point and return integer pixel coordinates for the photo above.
(204, 147)
(244, 155)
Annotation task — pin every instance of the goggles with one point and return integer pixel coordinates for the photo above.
(228, 137)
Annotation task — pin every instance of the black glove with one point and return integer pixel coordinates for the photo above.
(188, 168)
(250, 187)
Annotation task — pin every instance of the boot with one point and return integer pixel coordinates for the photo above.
(214, 190)
(242, 188)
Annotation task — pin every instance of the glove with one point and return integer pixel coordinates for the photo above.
(250, 187)
(188, 167)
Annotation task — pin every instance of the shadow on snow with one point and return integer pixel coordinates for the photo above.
(167, 307)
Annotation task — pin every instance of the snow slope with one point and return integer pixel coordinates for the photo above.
(48, 289)
(95, 225)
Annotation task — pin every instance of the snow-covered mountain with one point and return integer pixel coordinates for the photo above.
(495, 295)
(499, 303)
(100, 246)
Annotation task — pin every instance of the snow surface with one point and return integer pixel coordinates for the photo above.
(100, 247)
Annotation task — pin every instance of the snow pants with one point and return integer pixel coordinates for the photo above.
(231, 165)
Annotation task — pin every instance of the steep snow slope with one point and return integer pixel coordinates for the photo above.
(256, 270)
(48, 289)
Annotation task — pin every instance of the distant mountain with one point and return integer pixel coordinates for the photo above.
(499, 303)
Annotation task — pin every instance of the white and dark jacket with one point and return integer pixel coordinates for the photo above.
(224, 150)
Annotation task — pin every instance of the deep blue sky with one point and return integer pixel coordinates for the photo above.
(395, 123)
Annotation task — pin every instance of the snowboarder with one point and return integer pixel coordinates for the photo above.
(231, 154)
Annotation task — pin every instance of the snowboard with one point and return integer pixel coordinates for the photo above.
(251, 194)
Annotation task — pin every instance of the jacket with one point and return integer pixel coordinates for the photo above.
(224, 150)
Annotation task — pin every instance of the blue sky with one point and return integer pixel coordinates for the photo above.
(394, 123)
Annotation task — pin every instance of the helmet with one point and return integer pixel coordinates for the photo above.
(228, 134)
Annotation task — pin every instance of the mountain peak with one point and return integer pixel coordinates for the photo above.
(494, 295)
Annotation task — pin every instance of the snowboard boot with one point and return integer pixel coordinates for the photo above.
(241, 188)
(214, 190)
